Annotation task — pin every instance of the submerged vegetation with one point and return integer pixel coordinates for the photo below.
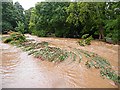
(44, 51)
(39, 50)
(95, 61)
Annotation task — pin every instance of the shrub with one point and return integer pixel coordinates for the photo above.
(88, 40)
(85, 41)
(20, 27)
(6, 27)
(85, 36)
(115, 36)
(15, 38)
(18, 36)
(39, 33)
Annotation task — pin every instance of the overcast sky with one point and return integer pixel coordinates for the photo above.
(26, 4)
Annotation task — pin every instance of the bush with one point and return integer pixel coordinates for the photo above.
(20, 27)
(85, 41)
(112, 37)
(6, 27)
(15, 38)
(85, 36)
(39, 33)
(115, 36)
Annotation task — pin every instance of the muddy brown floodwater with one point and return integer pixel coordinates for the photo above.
(19, 70)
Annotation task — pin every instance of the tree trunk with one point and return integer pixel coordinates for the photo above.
(101, 32)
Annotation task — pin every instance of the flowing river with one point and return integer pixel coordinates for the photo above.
(19, 70)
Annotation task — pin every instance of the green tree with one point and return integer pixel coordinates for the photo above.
(32, 22)
(87, 17)
(20, 12)
(20, 28)
(8, 17)
(11, 14)
(51, 16)
(113, 20)
(27, 19)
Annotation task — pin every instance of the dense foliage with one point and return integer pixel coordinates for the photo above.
(11, 15)
(65, 19)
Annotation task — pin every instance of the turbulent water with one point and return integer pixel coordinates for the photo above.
(19, 70)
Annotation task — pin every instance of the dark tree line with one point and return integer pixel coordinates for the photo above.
(64, 19)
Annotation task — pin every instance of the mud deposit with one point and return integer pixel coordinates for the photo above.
(19, 70)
